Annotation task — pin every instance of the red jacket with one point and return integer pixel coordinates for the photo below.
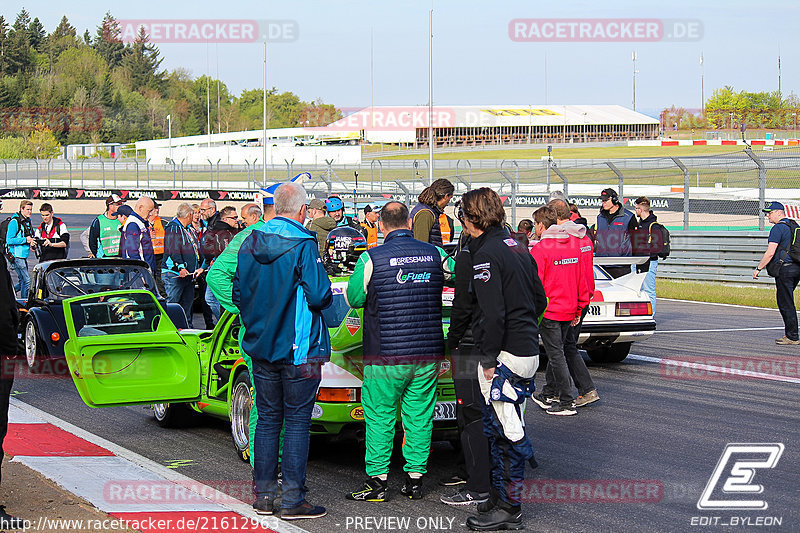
(558, 259)
(578, 232)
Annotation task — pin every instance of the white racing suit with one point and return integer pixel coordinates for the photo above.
(503, 424)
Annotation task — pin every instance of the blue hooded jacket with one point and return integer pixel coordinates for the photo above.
(281, 288)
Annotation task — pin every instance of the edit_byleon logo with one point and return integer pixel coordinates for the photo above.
(731, 485)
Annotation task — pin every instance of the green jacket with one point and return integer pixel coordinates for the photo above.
(220, 275)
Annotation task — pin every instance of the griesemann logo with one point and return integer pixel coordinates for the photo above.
(422, 277)
(733, 477)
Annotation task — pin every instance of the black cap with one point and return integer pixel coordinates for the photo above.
(609, 194)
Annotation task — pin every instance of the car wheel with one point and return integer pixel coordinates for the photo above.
(241, 403)
(169, 415)
(610, 354)
(33, 345)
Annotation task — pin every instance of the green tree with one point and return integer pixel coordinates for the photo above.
(43, 144)
(143, 62)
(36, 34)
(64, 37)
(3, 45)
(18, 51)
(108, 43)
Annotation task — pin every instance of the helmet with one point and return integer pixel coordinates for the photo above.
(345, 245)
(334, 203)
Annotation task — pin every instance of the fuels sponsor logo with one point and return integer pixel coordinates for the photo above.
(421, 277)
(400, 261)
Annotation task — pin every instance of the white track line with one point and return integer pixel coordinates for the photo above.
(714, 330)
(717, 303)
(740, 374)
(274, 523)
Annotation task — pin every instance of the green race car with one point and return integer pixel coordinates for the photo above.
(123, 349)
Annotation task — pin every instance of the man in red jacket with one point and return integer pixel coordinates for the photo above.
(558, 260)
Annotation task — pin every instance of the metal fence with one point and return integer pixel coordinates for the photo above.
(724, 190)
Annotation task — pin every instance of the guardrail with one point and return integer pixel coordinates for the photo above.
(728, 256)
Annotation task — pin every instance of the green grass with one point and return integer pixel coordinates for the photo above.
(577, 153)
(700, 291)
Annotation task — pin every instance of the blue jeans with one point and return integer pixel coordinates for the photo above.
(284, 394)
(786, 283)
(212, 302)
(649, 284)
(23, 284)
(179, 291)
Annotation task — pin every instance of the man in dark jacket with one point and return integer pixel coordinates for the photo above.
(510, 299)
(615, 225)
(399, 285)
(649, 241)
(9, 319)
(280, 289)
(182, 261)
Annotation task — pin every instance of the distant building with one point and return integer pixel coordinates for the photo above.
(74, 151)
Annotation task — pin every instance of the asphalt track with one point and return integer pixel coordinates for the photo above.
(654, 424)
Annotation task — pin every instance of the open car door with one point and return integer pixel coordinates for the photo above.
(124, 350)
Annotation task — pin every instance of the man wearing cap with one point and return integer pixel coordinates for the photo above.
(370, 225)
(779, 265)
(104, 232)
(320, 223)
(615, 225)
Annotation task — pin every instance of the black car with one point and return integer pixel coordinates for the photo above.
(43, 330)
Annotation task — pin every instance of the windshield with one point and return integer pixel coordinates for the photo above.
(66, 282)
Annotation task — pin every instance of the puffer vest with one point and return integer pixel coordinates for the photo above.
(613, 239)
(435, 236)
(403, 313)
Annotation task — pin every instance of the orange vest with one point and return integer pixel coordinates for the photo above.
(372, 235)
(157, 235)
(444, 226)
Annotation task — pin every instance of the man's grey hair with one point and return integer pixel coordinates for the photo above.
(558, 195)
(184, 211)
(290, 198)
(253, 211)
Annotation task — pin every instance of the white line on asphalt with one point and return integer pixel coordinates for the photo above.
(740, 374)
(276, 524)
(714, 330)
(717, 303)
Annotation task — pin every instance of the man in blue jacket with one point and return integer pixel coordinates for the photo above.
(280, 288)
(19, 239)
(182, 259)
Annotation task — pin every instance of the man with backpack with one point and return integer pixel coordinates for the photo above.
(19, 240)
(52, 235)
(782, 261)
(652, 239)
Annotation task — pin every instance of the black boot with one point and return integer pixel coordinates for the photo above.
(498, 519)
(10, 522)
(412, 488)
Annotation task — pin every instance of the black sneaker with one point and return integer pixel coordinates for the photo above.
(374, 490)
(304, 510)
(264, 505)
(10, 522)
(562, 410)
(465, 497)
(412, 488)
(452, 481)
(543, 401)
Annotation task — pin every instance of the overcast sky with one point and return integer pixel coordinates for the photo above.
(475, 59)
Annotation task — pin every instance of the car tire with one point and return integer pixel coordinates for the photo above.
(170, 415)
(241, 403)
(33, 345)
(610, 354)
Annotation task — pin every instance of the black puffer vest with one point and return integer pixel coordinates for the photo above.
(403, 314)
(436, 231)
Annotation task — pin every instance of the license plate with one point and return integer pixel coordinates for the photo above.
(594, 310)
(444, 411)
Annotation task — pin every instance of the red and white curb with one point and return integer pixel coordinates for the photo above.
(111, 478)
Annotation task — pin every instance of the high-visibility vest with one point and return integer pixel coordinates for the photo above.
(444, 226)
(157, 235)
(108, 245)
(372, 234)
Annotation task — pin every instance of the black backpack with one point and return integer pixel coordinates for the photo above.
(794, 246)
(659, 246)
(3, 232)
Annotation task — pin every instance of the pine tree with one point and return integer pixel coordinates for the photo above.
(143, 62)
(36, 34)
(63, 37)
(107, 91)
(6, 99)
(18, 56)
(108, 42)
(3, 44)
(87, 38)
